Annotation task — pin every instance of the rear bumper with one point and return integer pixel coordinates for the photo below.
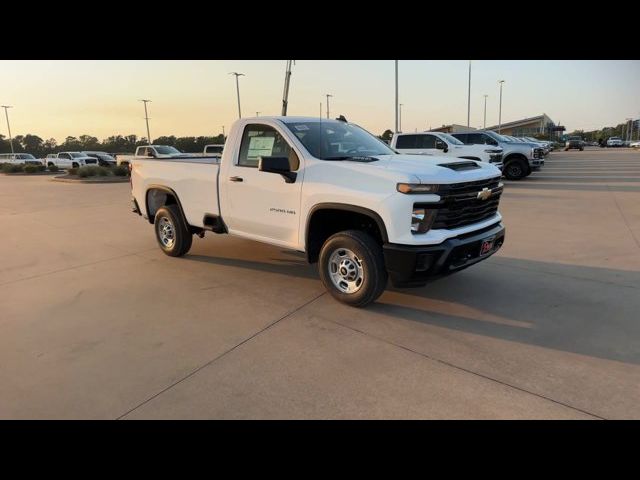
(414, 265)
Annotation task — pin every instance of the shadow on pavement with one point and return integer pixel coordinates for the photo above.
(585, 310)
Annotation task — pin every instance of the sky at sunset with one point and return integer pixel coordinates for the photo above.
(192, 98)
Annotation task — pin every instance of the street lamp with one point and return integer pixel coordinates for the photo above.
(238, 90)
(396, 104)
(6, 114)
(469, 98)
(500, 109)
(328, 95)
(485, 112)
(400, 119)
(146, 117)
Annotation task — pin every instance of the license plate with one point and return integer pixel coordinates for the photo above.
(486, 246)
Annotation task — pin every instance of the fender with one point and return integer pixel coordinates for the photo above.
(168, 190)
(349, 208)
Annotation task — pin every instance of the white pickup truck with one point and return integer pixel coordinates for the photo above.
(437, 143)
(70, 159)
(334, 191)
(151, 151)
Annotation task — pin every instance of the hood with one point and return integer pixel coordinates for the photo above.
(424, 168)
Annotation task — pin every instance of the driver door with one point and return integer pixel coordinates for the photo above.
(261, 205)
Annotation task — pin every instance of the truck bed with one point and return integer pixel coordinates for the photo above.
(193, 179)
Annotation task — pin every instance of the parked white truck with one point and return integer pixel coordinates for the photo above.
(70, 159)
(437, 143)
(151, 151)
(334, 191)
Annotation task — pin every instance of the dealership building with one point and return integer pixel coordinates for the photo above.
(527, 127)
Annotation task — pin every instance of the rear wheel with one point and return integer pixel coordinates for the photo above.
(352, 268)
(515, 170)
(172, 233)
(75, 165)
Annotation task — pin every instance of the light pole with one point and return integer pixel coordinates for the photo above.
(6, 114)
(396, 107)
(400, 119)
(484, 125)
(469, 98)
(238, 90)
(630, 129)
(223, 136)
(146, 117)
(500, 109)
(328, 95)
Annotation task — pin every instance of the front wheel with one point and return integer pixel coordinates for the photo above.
(352, 268)
(75, 165)
(172, 233)
(515, 170)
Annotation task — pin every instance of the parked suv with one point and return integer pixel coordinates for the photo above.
(103, 158)
(574, 142)
(442, 144)
(19, 158)
(518, 159)
(614, 142)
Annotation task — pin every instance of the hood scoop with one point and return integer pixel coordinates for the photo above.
(457, 166)
(362, 159)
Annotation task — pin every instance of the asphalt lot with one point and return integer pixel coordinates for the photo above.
(95, 322)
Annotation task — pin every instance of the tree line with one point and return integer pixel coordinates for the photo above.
(115, 144)
(619, 130)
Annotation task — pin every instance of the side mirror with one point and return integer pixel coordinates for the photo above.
(277, 165)
(440, 145)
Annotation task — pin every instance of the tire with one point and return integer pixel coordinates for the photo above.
(357, 255)
(515, 170)
(50, 164)
(172, 233)
(582, 149)
(75, 165)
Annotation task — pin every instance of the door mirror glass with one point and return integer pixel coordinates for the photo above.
(440, 145)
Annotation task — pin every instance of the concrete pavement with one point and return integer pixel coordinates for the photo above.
(95, 322)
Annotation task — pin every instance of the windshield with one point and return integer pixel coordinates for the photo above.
(451, 139)
(162, 150)
(334, 140)
(27, 156)
(497, 136)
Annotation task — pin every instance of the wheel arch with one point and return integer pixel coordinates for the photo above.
(170, 197)
(345, 216)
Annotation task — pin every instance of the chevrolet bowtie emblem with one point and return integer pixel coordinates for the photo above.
(484, 194)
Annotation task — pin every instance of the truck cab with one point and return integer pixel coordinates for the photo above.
(437, 143)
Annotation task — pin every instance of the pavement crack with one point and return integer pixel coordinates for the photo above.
(624, 217)
(218, 357)
(457, 367)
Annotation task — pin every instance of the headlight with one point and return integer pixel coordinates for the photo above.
(416, 188)
(421, 219)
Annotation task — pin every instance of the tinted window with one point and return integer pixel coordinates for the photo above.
(461, 136)
(426, 141)
(407, 141)
(264, 141)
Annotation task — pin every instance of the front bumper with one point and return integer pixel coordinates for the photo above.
(536, 163)
(410, 266)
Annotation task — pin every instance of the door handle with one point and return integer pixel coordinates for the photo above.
(236, 179)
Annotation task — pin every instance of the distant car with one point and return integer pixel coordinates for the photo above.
(213, 150)
(104, 159)
(18, 158)
(152, 151)
(70, 160)
(635, 144)
(614, 142)
(574, 143)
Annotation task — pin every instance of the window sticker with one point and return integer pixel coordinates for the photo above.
(301, 128)
(260, 147)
